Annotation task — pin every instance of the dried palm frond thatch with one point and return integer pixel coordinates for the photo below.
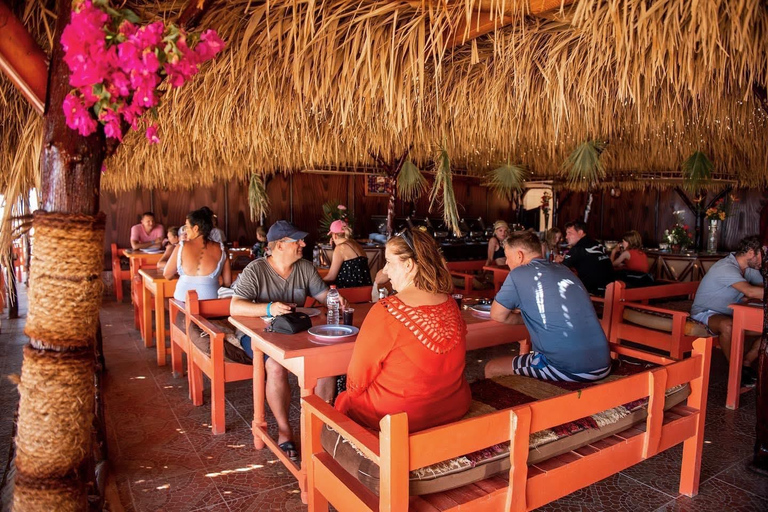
(697, 172)
(258, 199)
(442, 192)
(411, 183)
(506, 180)
(306, 84)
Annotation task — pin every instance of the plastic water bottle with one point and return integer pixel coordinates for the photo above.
(316, 256)
(333, 301)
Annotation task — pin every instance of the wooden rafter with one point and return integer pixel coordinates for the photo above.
(21, 59)
(484, 20)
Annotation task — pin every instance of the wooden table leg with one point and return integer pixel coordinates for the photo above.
(146, 316)
(160, 325)
(737, 354)
(305, 454)
(259, 382)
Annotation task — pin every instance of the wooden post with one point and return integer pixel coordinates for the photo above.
(71, 172)
(391, 170)
(760, 459)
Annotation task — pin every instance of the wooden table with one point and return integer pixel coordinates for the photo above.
(139, 259)
(746, 317)
(500, 273)
(310, 362)
(157, 286)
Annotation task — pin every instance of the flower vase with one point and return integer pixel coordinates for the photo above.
(675, 248)
(712, 240)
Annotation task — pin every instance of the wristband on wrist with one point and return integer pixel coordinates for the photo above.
(269, 307)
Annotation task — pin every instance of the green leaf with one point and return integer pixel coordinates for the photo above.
(697, 172)
(129, 15)
(506, 180)
(411, 183)
(583, 169)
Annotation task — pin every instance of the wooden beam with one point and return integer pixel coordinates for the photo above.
(22, 60)
(485, 20)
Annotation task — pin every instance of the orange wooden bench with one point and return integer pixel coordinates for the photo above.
(468, 271)
(527, 486)
(206, 355)
(119, 275)
(673, 334)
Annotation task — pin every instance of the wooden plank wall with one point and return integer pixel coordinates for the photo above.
(651, 211)
(299, 197)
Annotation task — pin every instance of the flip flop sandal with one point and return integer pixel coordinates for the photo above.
(290, 450)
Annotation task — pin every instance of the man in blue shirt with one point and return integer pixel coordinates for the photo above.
(728, 281)
(568, 342)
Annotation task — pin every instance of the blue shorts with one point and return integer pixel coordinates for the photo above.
(535, 365)
(245, 343)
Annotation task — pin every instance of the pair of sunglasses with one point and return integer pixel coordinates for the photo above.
(407, 237)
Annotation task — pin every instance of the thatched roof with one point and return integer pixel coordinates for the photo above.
(308, 84)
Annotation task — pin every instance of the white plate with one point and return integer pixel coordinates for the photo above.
(152, 251)
(481, 310)
(310, 312)
(325, 334)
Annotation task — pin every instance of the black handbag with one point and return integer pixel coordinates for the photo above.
(290, 323)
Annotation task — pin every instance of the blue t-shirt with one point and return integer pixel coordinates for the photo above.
(559, 315)
(716, 291)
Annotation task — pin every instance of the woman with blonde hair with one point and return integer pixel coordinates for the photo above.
(628, 254)
(409, 355)
(349, 264)
(496, 244)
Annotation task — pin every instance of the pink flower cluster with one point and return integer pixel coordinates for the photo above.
(116, 66)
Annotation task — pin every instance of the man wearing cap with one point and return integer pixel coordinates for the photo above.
(266, 287)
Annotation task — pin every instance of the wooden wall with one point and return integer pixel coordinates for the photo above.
(651, 211)
(299, 198)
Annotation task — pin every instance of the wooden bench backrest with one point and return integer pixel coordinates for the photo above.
(465, 266)
(399, 452)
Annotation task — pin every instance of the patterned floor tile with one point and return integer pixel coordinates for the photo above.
(722, 448)
(718, 496)
(284, 499)
(615, 493)
(740, 476)
(256, 474)
(183, 493)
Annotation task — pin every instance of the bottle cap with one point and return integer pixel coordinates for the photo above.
(333, 287)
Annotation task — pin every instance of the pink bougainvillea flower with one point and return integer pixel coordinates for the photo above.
(127, 28)
(120, 83)
(128, 56)
(77, 116)
(341, 207)
(112, 129)
(145, 97)
(89, 97)
(152, 134)
(210, 44)
(150, 35)
(131, 114)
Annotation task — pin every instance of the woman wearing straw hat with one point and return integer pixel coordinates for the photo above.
(495, 245)
(349, 264)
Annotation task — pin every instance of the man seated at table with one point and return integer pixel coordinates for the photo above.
(147, 234)
(729, 281)
(567, 341)
(266, 287)
(588, 258)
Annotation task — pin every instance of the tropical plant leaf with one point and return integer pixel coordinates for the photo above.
(258, 200)
(506, 180)
(411, 183)
(331, 212)
(583, 169)
(697, 172)
(442, 192)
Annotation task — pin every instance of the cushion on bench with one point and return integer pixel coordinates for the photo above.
(490, 395)
(233, 353)
(662, 322)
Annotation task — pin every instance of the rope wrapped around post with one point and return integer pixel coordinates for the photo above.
(56, 387)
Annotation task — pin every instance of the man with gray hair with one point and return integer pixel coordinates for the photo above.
(730, 280)
(267, 287)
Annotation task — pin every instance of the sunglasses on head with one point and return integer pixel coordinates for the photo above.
(407, 237)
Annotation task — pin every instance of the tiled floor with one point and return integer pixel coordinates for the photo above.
(165, 458)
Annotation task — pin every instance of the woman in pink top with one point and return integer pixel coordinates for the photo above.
(147, 234)
(628, 254)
